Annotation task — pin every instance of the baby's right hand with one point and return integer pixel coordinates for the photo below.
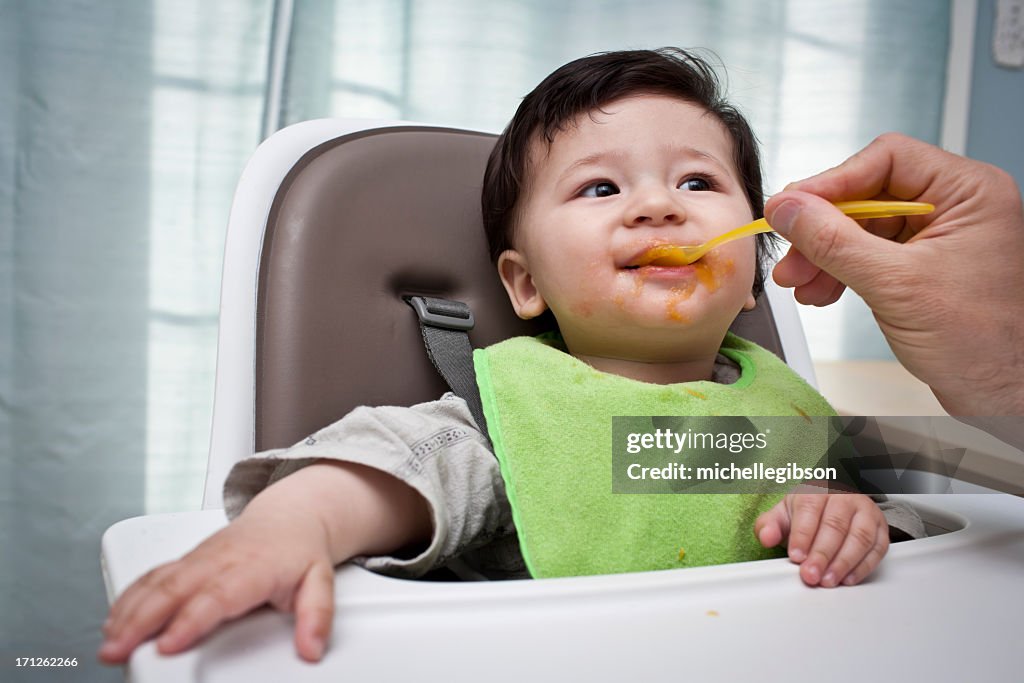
(280, 556)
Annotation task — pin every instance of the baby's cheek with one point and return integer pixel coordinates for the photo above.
(587, 293)
(744, 260)
(583, 309)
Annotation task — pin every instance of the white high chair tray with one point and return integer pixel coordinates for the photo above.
(944, 608)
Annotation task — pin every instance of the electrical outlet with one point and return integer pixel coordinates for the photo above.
(1008, 36)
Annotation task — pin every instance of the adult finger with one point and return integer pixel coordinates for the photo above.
(314, 611)
(811, 285)
(821, 291)
(892, 166)
(895, 166)
(830, 240)
(794, 270)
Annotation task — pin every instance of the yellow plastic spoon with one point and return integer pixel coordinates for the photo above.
(676, 255)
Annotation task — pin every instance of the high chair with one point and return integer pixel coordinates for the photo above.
(312, 324)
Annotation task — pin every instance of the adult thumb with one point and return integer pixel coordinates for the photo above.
(826, 237)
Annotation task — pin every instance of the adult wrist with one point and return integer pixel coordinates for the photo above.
(1000, 396)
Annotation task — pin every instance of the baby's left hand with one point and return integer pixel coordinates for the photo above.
(835, 538)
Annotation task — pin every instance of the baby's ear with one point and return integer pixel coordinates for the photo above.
(751, 303)
(524, 295)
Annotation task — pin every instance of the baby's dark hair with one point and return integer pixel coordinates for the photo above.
(586, 85)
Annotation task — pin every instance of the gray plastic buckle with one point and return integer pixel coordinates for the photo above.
(439, 318)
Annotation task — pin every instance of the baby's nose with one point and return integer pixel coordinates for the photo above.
(655, 206)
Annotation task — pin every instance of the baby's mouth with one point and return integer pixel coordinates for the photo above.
(661, 257)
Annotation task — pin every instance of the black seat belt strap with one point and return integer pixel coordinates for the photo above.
(445, 325)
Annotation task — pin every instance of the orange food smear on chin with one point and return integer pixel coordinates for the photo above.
(712, 271)
(678, 296)
(709, 273)
(638, 285)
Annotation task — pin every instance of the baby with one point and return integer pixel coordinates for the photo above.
(610, 155)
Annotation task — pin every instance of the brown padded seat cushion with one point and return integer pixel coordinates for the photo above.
(359, 222)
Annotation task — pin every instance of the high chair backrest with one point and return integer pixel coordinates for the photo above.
(333, 222)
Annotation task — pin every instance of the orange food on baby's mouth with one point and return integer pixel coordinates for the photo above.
(706, 276)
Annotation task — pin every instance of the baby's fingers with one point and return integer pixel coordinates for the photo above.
(144, 608)
(872, 559)
(805, 511)
(772, 526)
(314, 611)
(222, 597)
(859, 541)
(185, 599)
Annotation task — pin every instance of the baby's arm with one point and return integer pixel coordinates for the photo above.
(282, 549)
(835, 538)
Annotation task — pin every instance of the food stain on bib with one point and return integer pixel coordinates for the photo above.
(801, 411)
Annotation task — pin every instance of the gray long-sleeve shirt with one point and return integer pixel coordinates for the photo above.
(436, 448)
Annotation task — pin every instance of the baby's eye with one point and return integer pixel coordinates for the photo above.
(601, 189)
(695, 184)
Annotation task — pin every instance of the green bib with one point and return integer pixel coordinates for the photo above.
(549, 417)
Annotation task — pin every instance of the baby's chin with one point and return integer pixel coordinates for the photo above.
(651, 351)
(676, 309)
(656, 331)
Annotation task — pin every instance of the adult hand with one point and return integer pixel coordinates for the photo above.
(947, 288)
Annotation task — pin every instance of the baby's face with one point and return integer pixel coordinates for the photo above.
(647, 170)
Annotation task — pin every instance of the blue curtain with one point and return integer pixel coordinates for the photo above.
(76, 190)
(124, 126)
